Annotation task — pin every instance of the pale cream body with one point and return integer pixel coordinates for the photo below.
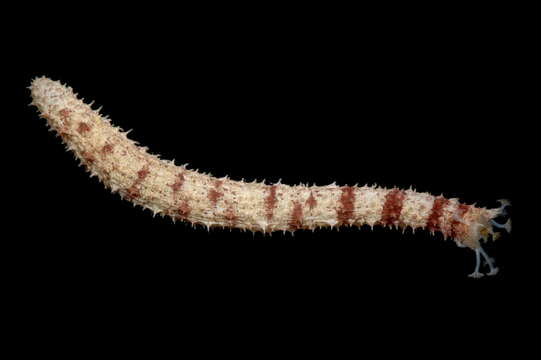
(148, 181)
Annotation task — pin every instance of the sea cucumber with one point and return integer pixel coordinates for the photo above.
(183, 194)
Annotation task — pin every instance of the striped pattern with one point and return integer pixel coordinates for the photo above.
(189, 195)
(346, 208)
(390, 215)
(270, 202)
(435, 218)
(296, 216)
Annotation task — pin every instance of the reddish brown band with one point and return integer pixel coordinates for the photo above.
(270, 202)
(394, 200)
(434, 219)
(296, 216)
(344, 213)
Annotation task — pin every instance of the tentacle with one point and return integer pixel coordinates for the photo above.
(476, 274)
(490, 262)
(504, 203)
(506, 226)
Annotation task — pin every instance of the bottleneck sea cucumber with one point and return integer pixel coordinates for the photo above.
(183, 194)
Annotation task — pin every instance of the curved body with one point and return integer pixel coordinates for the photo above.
(184, 194)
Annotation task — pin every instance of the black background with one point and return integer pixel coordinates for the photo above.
(320, 103)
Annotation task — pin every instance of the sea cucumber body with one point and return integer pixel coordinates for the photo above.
(184, 194)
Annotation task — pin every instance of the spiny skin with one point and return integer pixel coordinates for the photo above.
(167, 189)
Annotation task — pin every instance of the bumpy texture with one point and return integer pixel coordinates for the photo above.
(184, 194)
